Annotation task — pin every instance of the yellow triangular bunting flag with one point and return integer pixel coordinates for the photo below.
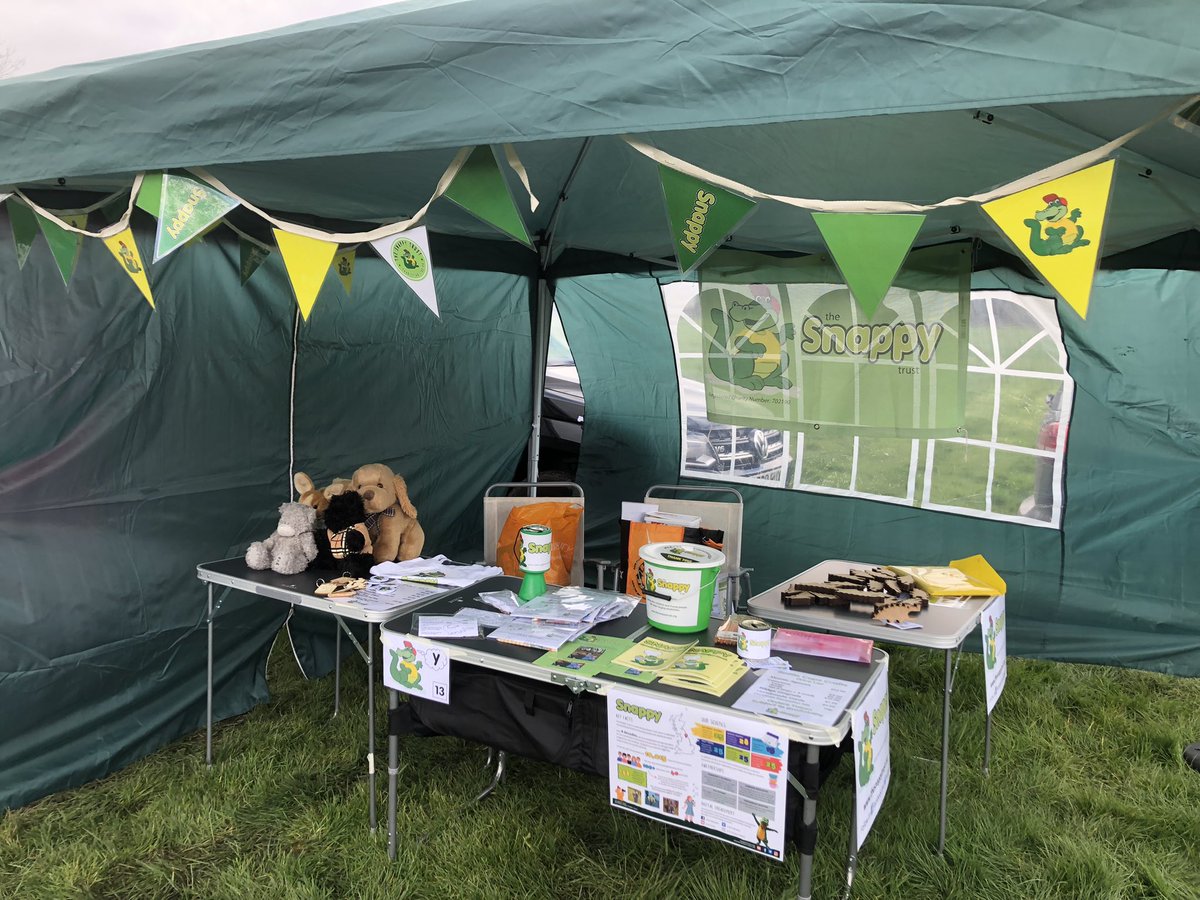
(343, 264)
(307, 261)
(125, 249)
(1057, 227)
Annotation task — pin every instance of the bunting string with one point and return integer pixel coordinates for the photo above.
(109, 231)
(1065, 167)
(349, 237)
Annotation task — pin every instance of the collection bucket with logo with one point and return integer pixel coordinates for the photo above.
(533, 559)
(679, 581)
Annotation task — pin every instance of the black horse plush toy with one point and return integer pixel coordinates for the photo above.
(345, 545)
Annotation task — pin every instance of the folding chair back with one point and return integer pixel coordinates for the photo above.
(724, 511)
(498, 503)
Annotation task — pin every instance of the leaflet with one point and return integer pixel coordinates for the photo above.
(531, 634)
(714, 773)
(589, 655)
(652, 655)
(484, 617)
(798, 697)
(447, 627)
(710, 670)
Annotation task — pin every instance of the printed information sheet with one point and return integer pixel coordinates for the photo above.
(871, 726)
(713, 773)
(416, 667)
(798, 697)
(993, 624)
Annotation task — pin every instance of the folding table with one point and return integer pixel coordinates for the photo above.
(942, 628)
(514, 660)
(297, 590)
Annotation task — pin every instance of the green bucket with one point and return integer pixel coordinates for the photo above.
(679, 581)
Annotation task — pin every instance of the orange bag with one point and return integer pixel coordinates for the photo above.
(640, 534)
(561, 518)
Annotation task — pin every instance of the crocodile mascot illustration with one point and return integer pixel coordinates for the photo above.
(1062, 232)
(406, 667)
(746, 349)
(989, 655)
(866, 753)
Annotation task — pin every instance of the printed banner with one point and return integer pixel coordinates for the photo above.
(868, 249)
(186, 208)
(871, 725)
(416, 667)
(343, 264)
(701, 215)
(785, 345)
(64, 245)
(307, 262)
(125, 250)
(719, 775)
(480, 189)
(993, 625)
(408, 254)
(252, 255)
(25, 229)
(1060, 237)
(149, 198)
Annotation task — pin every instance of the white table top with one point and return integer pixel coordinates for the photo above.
(298, 590)
(942, 628)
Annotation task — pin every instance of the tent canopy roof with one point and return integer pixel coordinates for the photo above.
(356, 116)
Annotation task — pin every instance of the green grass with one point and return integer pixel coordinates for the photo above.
(1087, 798)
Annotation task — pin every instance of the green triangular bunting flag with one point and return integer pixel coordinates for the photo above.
(480, 189)
(701, 215)
(149, 196)
(25, 228)
(186, 208)
(253, 255)
(65, 245)
(869, 249)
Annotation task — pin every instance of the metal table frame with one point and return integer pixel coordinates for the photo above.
(943, 629)
(297, 591)
(519, 661)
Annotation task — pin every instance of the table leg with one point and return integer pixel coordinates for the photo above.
(812, 765)
(209, 693)
(987, 741)
(945, 753)
(393, 769)
(337, 665)
(371, 721)
(852, 859)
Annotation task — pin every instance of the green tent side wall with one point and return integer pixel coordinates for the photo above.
(1110, 587)
(139, 443)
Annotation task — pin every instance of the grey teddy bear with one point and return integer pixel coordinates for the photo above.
(292, 547)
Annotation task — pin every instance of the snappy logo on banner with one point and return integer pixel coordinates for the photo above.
(642, 712)
(693, 228)
(866, 752)
(897, 341)
(184, 213)
(994, 626)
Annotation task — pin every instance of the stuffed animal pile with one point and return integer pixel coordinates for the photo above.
(367, 519)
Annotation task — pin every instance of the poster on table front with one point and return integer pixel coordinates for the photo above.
(416, 667)
(993, 625)
(871, 725)
(719, 775)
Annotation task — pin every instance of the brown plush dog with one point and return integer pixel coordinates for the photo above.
(391, 517)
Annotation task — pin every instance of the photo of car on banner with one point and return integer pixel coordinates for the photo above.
(1005, 460)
